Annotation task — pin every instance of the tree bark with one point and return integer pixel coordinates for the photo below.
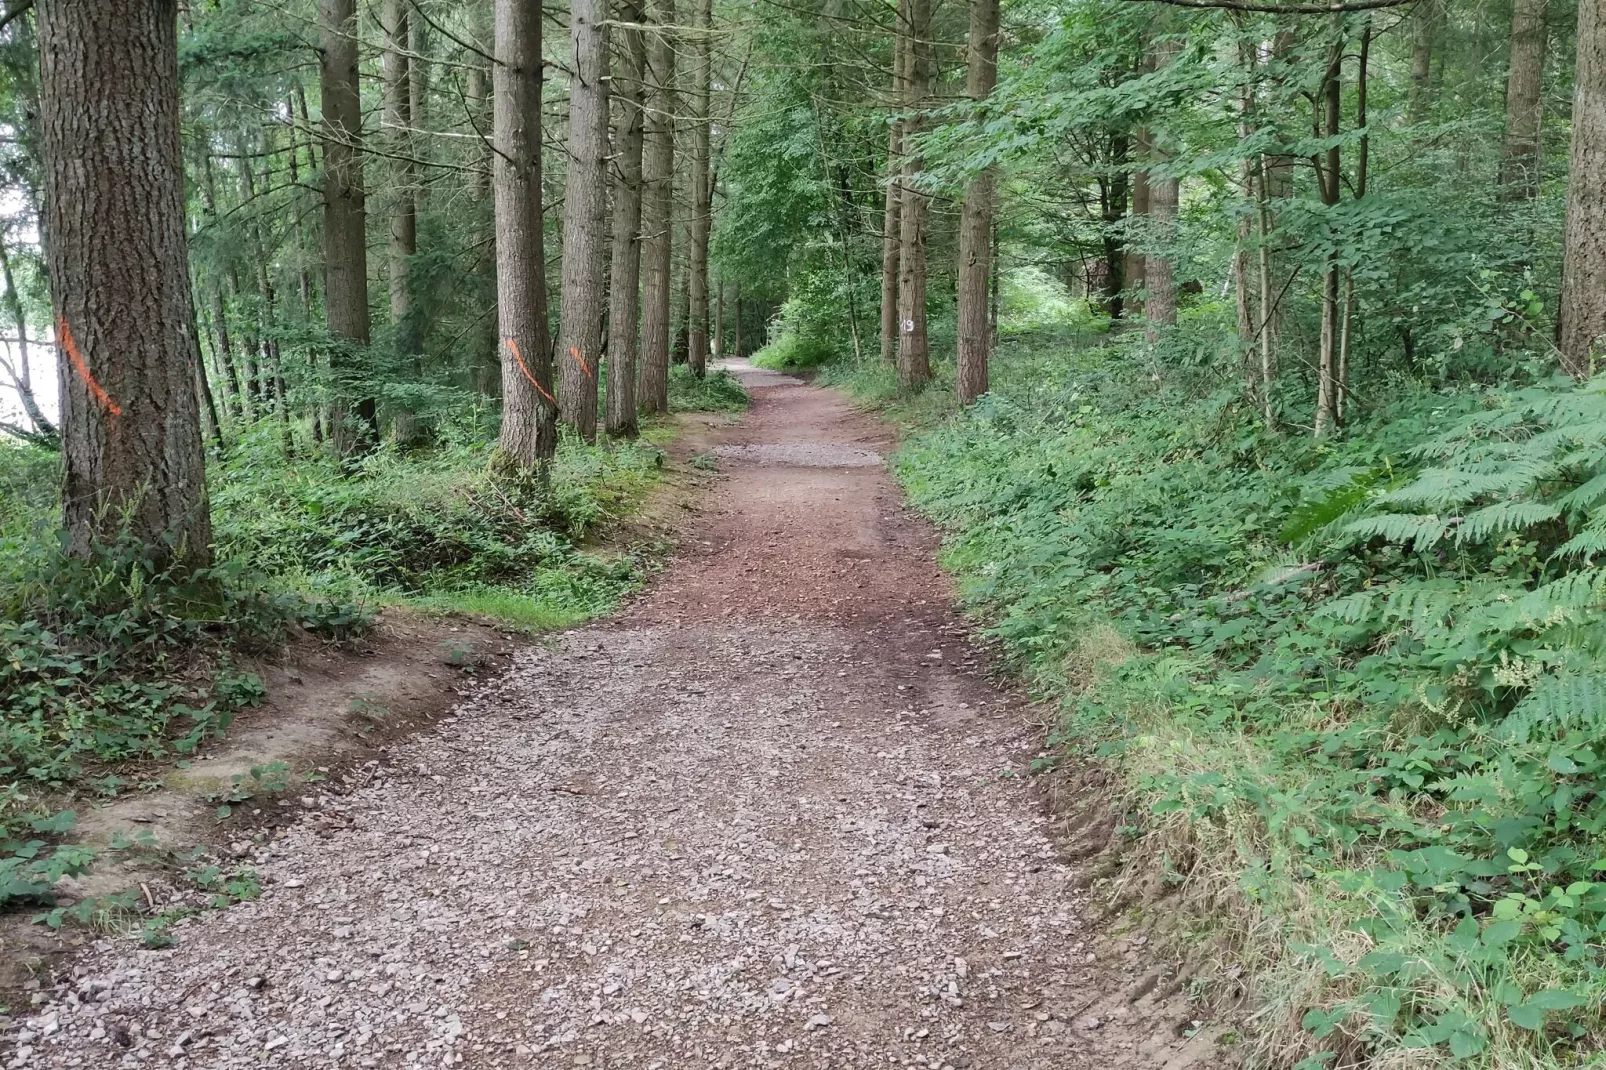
(1519, 152)
(585, 223)
(976, 218)
(702, 196)
(736, 349)
(354, 423)
(119, 278)
(398, 123)
(1327, 177)
(891, 224)
(1583, 287)
(914, 354)
(657, 224)
(625, 281)
(529, 432)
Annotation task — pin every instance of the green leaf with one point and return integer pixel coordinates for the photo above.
(1500, 933)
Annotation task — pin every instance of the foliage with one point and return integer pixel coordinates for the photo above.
(717, 391)
(1354, 688)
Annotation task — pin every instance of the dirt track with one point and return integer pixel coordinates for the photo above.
(770, 816)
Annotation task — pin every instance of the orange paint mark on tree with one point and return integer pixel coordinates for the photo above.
(574, 351)
(514, 347)
(99, 392)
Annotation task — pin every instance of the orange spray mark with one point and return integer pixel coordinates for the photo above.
(65, 334)
(574, 351)
(514, 346)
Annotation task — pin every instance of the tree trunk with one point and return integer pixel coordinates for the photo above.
(1160, 267)
(22, 375)
(701, 196)
(1583, 286)
(891, 230)
(625, 282)
(1327, 177)
(398, 123)
(529, 432)
(1424, 27)
(914, 354)
(1115, 190)
(354, 423)
(657, 223)
(1519, 153)
(736, 349)
(119, 278)
(585, 222)
(717, 350)
(976, 218)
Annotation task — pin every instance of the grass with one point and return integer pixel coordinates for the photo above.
(1361, 764)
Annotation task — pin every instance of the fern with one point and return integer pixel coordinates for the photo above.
(1422, 531)
(1557, 703)
(1504, 517)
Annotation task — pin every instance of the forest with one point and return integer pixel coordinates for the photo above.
(1244, 353)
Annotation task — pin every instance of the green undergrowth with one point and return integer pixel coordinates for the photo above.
(1353, 689)
(111, 669)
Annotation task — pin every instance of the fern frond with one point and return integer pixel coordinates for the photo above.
(1423, 531)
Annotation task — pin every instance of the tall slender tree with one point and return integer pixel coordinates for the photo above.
(657, 204)
(117, 260)
(1160, 260)
(914, 353)
(624, 288)
(1519, 152)
(354, 424)
(529, 430)
(702, 199)
(976, 220)
(585, 222)
(1583, 280)
(891, 232)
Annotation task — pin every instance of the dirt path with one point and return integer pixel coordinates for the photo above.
(770, 816)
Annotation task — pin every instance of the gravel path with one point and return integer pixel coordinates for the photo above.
(770, 816)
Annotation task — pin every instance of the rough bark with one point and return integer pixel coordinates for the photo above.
(976, 218)
(585, 222)
(529, 431)
(624, 288)
(891, 232)
(657, 223)
(119, 278)
(702, 196)
(1519, 151)
(1583, 288)
(914, 353)
(354, 424)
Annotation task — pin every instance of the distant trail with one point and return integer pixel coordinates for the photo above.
(769, 816)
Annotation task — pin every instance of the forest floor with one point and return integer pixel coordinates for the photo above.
(774, 813)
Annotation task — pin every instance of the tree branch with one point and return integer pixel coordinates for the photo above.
(1284, 9)
(17, 10)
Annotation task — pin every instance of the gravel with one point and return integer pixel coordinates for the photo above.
(753, 823)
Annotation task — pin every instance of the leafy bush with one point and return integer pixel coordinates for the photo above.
(1354, 687)
(717, 391)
